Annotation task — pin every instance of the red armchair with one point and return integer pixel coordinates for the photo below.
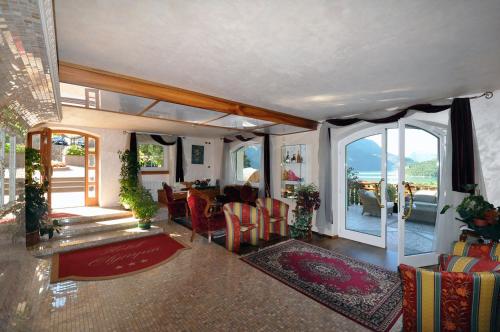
(202, 221)
(242, 225)
(176, 207)
(275, 214)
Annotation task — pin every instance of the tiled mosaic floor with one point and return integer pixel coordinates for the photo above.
(203, 289)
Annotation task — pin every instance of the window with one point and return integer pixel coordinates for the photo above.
(247, 163)
(151, 156)
(8, 152)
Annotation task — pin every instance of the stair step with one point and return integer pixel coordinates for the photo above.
(67, 190)
(68, 179)
(49, 247)
(68, 183)
(96, 227)
(92, 219)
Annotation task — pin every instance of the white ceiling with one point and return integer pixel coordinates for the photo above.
(316, 59)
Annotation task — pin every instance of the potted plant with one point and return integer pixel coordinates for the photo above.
(129, 179)
(479, 215)
(35, 189)
(144, 207)
(308, 201)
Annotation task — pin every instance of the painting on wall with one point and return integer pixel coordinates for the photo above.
(197, 154)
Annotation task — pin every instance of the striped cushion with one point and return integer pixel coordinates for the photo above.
(489, 251)
(449, 301)
(452, 263)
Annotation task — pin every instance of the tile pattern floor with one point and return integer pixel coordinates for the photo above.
(204, 289)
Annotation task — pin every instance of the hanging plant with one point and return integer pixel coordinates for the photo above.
(307, 201)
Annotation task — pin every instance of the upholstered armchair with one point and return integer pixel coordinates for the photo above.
(176, 208)
(242, 225)
(202, 220)
(463, 295)
(275, 213)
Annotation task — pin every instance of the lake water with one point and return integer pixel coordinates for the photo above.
(392, 177)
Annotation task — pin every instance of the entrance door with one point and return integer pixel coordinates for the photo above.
(421, 154)
(363, 202)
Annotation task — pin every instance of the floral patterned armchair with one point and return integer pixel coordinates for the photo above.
(242, 225)
(202, 221)
(275, 214)
(177, 208)
(462, 296)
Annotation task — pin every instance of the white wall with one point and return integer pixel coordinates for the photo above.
(211, 168)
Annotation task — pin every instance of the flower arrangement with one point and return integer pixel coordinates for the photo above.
(479, 215)
(307, 202)
(202, 183)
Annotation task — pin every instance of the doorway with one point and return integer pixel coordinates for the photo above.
(391, 190)
(70, 159)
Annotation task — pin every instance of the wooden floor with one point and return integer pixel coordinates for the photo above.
(361, 251)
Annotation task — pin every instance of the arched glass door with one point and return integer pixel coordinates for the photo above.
(390, 188)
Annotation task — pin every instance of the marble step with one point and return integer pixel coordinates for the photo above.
(116, 214)
(58, 245)
(73, 230)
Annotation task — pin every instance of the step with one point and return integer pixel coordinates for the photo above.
(49, 247)
(73, 230)
(68, 183)
(67, 189)
(68, 179)
(92, 219)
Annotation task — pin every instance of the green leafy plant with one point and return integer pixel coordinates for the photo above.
(129, 178)
(35, 190)
(75, 150)
(144, 207)
(307, 202)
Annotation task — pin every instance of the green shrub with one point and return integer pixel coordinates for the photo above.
(36, 205)
(129, 178)
(20, 148)
(75, 150)
(143, 205)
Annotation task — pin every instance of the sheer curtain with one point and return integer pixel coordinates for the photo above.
(324, 217)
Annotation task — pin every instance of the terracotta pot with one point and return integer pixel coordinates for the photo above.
(480, 222)
(32, 238)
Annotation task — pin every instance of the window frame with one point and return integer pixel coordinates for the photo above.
(165, 158)
(234, 172)
(12, 168)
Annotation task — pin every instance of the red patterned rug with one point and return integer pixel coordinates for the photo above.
(365, 293)
(115, 259)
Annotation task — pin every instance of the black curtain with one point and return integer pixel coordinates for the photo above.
(134, 159)
(426, 108)
(158, 139)
(462, 145)
(267, 165)
(179, 169)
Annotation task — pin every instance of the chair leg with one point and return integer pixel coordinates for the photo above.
(209, 237)
(193, 233)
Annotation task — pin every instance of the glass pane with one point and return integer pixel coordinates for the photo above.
(422, 177)
(392, 188)
(35, 141)
(247, 163)
(91, 191)
(281, 129)
(363, 173)
(151, 155)
(91, 177)
(240, 122)
(91, 144)
(172, 111)
(91, 160)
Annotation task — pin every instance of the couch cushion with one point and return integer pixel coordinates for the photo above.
(477, 250)
(449, 301)
(452, 263)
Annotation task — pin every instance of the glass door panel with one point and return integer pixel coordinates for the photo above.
(419, 193)
(92, 170)
(364, 198)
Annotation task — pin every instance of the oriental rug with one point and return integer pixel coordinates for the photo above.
(365, 293)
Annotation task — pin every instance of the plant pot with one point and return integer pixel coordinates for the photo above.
(126, 206)
(32, 238)
(144, 225)
(480, 222)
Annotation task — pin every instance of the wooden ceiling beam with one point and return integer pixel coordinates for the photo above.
(100, 79)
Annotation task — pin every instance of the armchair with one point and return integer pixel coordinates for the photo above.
(242, 225)
(176, 207)
(275, 214)
(202, 221)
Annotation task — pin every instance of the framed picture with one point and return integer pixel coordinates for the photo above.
(197, 154)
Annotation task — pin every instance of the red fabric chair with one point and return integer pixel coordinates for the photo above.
(275, 217)
(176, 208)
(242, 225)
(202, 221)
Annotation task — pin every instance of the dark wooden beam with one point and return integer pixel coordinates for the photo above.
(100, 79)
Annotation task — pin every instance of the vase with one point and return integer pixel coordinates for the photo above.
(32, 238)
(144, 224)
(480, 222)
